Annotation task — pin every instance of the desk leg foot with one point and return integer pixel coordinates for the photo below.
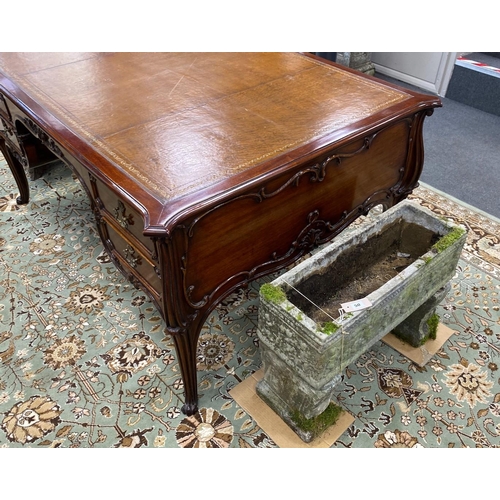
(189, 409)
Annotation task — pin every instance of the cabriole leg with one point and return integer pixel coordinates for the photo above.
(18, 172)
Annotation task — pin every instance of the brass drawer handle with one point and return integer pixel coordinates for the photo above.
(131, 257)
(120, 215)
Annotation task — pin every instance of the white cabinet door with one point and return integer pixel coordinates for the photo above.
(427, 70)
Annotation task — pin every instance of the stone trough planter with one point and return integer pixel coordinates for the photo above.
(401, 263)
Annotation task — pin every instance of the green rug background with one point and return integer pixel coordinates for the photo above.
(85, 361)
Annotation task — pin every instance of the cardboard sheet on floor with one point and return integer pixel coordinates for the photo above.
(420, 355)
(284, 437)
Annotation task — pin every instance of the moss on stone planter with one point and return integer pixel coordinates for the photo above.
(273, 293)
(448, 239)
(433, 323)
(317, 425)
(329, 327)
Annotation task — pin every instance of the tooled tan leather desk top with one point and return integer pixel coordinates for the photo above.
(178, 122)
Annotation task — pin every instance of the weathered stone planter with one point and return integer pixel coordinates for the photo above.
(302, 363)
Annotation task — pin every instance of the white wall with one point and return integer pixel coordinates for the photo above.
(427, 70)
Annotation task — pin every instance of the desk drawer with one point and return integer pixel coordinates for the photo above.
(131, 259)
(129, 219)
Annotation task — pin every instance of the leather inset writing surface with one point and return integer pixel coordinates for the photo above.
(176, 123)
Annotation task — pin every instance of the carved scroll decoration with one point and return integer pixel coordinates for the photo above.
(317, 174)
(318, 171)
(43, 137)
(19, 157)
(315, 232)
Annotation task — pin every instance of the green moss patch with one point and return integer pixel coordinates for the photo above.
(448, 239)
(329, 327)
(273, 293)
(317, 425)
(433, 323)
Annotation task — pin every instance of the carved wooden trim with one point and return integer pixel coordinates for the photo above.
(317, 173)
(45, 138)
(155, 258)
(7, 126)
(19, 157)
(318, 170)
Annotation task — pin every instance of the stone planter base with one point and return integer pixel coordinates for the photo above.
(302, 364)
(273, 425)
(417, 328)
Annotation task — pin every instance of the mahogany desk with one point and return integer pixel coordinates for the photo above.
(206, 171)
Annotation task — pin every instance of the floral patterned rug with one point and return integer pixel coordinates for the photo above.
(85, 361)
